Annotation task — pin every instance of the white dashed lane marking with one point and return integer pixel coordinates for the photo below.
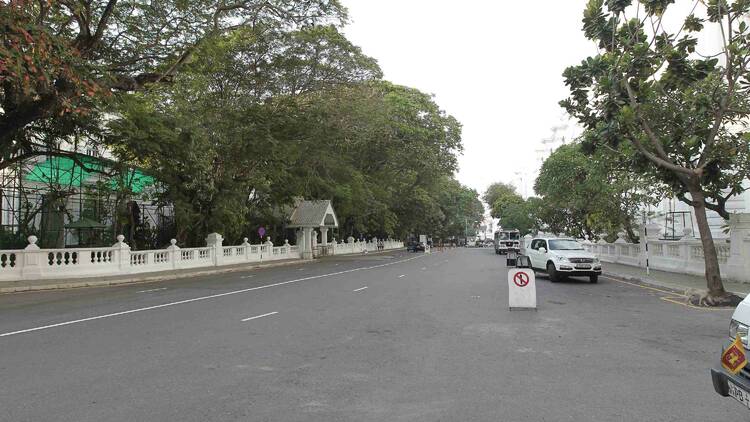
(201, 298)
(152, 290)
(259, 316)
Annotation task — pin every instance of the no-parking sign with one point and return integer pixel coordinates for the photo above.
(521, 289)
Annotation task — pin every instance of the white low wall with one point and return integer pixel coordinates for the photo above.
(682, 256)
(33, 263)
(685, 256)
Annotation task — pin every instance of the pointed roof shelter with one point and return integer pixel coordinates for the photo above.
(316, 213)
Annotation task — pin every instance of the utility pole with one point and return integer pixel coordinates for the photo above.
(466, 230)
(645, 242)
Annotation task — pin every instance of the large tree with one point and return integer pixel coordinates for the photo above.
(60, 59)
(498, 196)
(595, 193)
(682, 109)
(462, 210)
(261, 117)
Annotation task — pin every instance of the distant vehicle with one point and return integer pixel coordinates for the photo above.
(414, 246)
(725, 383)
(560, 258)
(507, 240)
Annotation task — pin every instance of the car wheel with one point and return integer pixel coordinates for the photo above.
(552, 273)
(594, 278)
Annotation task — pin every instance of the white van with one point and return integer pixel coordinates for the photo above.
(560, 258)
(728, 384)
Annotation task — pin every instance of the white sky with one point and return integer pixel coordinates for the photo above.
(494, 65)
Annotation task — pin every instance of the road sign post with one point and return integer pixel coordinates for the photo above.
(521, 289)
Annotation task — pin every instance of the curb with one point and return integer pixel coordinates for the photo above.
(144, 279)
(655, 284)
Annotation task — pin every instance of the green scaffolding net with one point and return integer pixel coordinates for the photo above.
(64, 171)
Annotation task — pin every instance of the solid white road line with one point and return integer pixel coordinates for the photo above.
(247, 276)
(360, 289)
(402, 275)
(152, 290)
(197, 299)
(259, 316)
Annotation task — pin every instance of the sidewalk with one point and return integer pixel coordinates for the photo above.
(36, 285)
(681, 283)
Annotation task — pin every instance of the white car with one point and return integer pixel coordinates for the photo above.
(737, 385)
(560, 258)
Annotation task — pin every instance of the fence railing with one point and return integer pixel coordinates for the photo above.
(681, 256)
(33, 263)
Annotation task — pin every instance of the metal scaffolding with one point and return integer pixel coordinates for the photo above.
(80, 201)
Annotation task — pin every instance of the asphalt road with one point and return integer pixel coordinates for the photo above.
(430, 338)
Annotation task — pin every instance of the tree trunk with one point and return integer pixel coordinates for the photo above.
(713, 274)
(630, 232)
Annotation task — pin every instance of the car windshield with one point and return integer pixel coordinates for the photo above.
(503, 236)
(515, 236)
(565, 245)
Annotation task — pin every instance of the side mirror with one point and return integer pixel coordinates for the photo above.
(523, 262)
(542, 250)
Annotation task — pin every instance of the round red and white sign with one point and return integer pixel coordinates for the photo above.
(521, 279)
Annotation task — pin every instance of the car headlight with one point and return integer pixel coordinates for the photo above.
(596, 260)
(735, 329)
(562, 259)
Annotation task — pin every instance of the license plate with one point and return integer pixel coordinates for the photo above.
(739, 394)
(583, 266)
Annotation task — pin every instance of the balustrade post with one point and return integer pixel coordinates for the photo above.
(175, 257)
(350, 243)
(215, 242)
(246, 245)
(32, 261)
(121, 252)
(738, 263)
(269, 246)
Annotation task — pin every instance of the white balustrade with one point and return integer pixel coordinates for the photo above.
(34, 263)
(680, 256)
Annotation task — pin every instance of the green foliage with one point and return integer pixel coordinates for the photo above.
(594, 194)
(680, 111)
(261, 117)
(500, 195)
(61, 60)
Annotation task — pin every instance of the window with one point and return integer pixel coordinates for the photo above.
(565, 245)
(538, 243)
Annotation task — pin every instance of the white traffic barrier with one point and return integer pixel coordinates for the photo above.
(521, 289)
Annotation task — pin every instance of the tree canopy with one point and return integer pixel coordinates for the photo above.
(60, 60)
(680, 110)
(261, 117)
(594, 194)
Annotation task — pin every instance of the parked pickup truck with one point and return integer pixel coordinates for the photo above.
(725, 383)
(560, 258)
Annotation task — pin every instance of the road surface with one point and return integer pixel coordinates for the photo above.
(390, 337)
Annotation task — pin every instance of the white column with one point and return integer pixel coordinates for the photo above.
(122, 254)
(246, 245)
(33, 259)
(214, 241)
(175, 257)
(324, 236)
(738, 265)
(307, 243)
